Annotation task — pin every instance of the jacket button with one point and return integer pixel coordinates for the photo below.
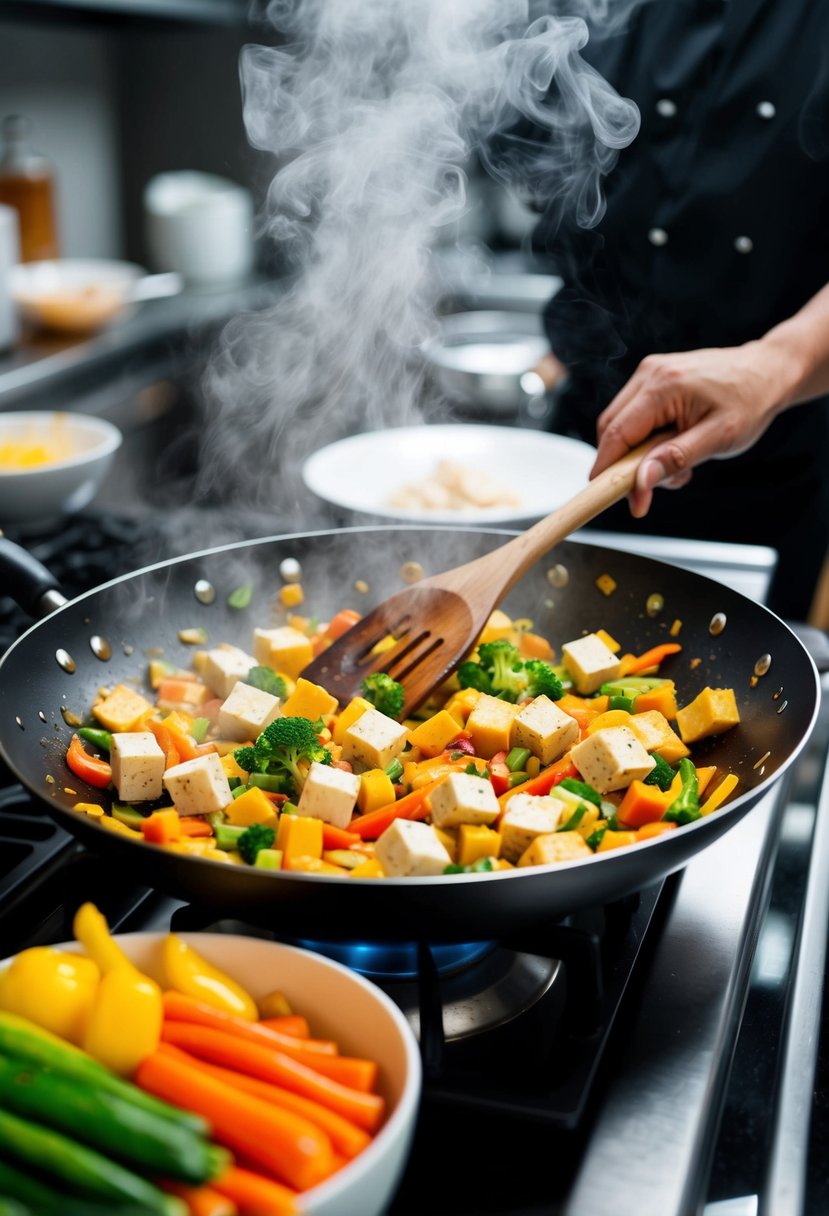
(665, 107)
(658, 236)
(766, 109)
(744, 244)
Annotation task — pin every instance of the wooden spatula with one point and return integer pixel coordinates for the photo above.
(437, 621)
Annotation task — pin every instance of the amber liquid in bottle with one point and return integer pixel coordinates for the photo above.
(27, 184)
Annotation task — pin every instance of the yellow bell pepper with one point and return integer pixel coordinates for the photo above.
(54, 990)
(187, 971)
(124, 1023)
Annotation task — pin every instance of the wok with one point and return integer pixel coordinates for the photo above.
(145, 611)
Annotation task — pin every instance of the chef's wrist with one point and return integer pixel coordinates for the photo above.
(786, 361)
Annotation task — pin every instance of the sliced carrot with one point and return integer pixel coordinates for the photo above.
(642, 804)
(341, 622)
(719, 795)
(90, 769)
(338, 838)
(194, 825)
(162, 827)
(630, 664)
(255, 1195)
(366, 1110)
(201, 1200)
(164, 739)
(410, 806)
(346, 1137)
(544, 781)
(286, 1144)
(295, 1024)
(178, 1007)
(659, 828)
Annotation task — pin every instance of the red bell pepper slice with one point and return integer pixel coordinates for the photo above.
(90, 769)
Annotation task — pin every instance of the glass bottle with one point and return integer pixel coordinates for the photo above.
(27, 184)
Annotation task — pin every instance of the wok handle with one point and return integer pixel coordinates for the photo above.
(28, 581)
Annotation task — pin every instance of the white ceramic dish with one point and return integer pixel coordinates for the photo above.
(82, 295)
(362, 473)
(83, 448)
(339, 1004)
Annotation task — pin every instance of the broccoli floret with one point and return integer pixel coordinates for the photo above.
(501, 672)
(542, 680)
(385, 694)
(266, 679)
(661, 775)
(254, 838)
(280, 751)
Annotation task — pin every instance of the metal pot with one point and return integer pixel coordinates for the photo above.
(105, 633)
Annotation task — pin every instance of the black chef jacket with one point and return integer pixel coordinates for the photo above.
(716, 228)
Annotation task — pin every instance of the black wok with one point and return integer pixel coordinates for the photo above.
(146, 610)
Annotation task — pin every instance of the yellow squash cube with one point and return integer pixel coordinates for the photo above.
(285, 649)
(309, 700)
(376, 790)
(251, 807)
(498, 626)
(476, 840)
(490, 725)
(433, 735)
(121, 708)
(713, 711)
(299, 836)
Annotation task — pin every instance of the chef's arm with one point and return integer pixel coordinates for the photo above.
(715, 402)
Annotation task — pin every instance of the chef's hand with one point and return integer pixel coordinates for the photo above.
(716, 402)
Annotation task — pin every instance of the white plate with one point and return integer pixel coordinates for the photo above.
(362, 473)
(341, 1005)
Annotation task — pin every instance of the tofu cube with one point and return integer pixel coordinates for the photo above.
(657, 735)
(590, 662)
(526, 817)
(246, 712)
(285, 649)
(356, 707)
(373, 740)
(463, 798)
(555, 847)
(121, 708)
(137, 766)
(409, 849)
(329, 794)
(545, 729)
(713, 711)
(223, 666)
(490, 725)
(611, 758)
(198, 787)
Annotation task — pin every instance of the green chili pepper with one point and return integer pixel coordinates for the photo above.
(582, 789)
(97, 737)
(685, 807)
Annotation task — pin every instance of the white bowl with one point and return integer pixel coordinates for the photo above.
(362, 473)
(82, 448)
(74, 295)
(341, 1005)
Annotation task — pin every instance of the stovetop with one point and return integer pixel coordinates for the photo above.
(661, 1056)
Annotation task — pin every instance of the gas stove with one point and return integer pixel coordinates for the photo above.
(658, 1056)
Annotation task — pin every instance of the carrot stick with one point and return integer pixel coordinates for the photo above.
(201, 1200)
(338, 838)
(286, 1144)
(295, 1024)
(255, 1195)
(410, 806)
(366, 1110)
(346, 1137)
(630, 664)
(179, 1007)
(194, 825)
(544, 782)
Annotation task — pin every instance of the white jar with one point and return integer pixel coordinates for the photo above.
(9, 257)
(199, 225)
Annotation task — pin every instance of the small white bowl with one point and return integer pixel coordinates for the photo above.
(73, 454)
(341, 1005)
(74, 295)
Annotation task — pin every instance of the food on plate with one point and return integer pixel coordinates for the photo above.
(523, 757)
(454, 487)
(218, 1099)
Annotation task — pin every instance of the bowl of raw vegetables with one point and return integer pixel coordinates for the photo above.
(191, 1073)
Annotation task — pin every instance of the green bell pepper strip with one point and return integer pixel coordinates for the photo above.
(685, 807)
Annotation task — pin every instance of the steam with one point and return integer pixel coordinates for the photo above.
(372, 109)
